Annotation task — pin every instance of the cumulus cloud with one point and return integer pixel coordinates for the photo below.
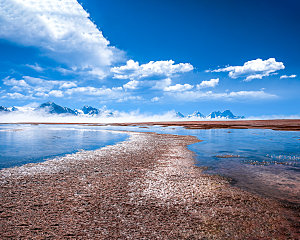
(286, 76)
(38, 87)
(209, 95)
(178, 88)
(17, 95)
(134, 71)
(68, 85)
(207, 84)
(162, 84)
(133, 84)
(56, 93)
(255, 69)
(13, 82)
(62, 29)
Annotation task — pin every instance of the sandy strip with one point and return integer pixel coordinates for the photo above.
(144, 188)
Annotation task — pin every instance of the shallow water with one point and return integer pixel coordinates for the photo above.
(262, 161)
(21, 144)
(257, 160)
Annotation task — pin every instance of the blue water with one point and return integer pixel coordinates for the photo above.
(263, 161)
(21, 144)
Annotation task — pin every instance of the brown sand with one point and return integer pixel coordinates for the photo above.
(277, 124)
(144, 188)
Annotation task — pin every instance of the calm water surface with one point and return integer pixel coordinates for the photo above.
(21, 144)
(263, 161)
(258, 160)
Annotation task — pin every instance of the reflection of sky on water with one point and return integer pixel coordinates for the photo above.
(26, 144)
(268, 161)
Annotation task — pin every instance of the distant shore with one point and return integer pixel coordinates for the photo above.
(147, 187)
(276, 124)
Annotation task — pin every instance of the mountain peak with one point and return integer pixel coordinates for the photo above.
(90, 110)
(179, 115)
(196, 114)
(3, 109)
(53, 108)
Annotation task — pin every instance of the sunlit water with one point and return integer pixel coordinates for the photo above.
(258, 160)
(21, 144)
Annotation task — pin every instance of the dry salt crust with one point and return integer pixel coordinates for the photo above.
(145, 188)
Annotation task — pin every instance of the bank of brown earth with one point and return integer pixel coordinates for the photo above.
(144, 188)
(276, 124)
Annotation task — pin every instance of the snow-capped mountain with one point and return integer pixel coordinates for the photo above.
(227, 114)
(90, 110)
(179, 115)
(3, 109)
(196, 114)
(51, 107)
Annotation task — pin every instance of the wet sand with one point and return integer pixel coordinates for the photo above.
(144, 188)
(277, 124)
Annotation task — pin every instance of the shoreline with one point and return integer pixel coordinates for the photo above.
(275, 124)
(146, 187)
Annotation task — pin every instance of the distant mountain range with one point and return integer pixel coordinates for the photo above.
(227, 114)
(53, 108)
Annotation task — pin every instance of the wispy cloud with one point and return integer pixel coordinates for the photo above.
(290, 76)
(255, 69)
(191, 96)
(155, 99)
(35, 67)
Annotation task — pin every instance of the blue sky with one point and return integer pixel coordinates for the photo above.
(153, 56)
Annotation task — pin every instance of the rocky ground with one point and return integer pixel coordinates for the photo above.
(144, 188)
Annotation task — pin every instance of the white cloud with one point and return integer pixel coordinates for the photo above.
(209, 95)
(251, 94)
(255, 69)
(56, 93)
(41, 94)
(16, 95)
(133, 84)
(112, 93)
(37, 84)
(134, 71)
(286, 76)
(38, 87)
(13, 82)
(162, 84)
(155, 99)
(35, 67)
(210, 83)
(68, 85)
(61, 28)
(178, 88)
(130, 98)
